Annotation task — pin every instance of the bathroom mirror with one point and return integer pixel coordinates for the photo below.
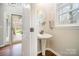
(41, 17)
(51, 24)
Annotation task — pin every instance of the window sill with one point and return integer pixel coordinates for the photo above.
(66, 25)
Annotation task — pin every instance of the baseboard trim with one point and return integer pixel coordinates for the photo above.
(53, 51)
(57, 54)
(2, 46)
(8, 44)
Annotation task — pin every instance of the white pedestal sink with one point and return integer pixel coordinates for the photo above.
(43, 38)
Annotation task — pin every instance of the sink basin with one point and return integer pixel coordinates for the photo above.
(44, 36)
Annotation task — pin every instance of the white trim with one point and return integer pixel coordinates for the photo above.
(2, 45)
(51, 51)
(65, 25)
(39, 52)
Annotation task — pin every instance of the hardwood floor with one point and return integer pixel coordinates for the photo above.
(13, 50)
(47, 53)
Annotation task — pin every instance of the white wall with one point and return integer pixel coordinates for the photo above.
(1, 24)
(65, 38)
(16, 8)
(26, 32)
(29, 38)
(8, 10)
(49, 10)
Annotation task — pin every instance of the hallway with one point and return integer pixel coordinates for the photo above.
(14, 50)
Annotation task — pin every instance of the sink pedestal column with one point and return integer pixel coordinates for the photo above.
(43, 38)
(43, 46)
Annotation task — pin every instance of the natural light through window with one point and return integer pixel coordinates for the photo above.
(68, 13)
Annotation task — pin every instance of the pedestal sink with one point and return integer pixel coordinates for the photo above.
(43, 38)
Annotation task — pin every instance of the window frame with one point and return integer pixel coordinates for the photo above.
(58, 22)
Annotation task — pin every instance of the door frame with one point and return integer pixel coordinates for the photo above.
(11, 41)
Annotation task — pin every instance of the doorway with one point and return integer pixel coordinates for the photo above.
(16, 30)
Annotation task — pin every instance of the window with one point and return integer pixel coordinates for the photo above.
(68, 13)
